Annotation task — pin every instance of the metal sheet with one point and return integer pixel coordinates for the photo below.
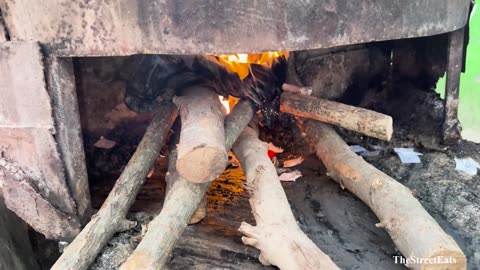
(61, 86)
(24, 99)
(40, 195)
(81, 28)
(451, 126)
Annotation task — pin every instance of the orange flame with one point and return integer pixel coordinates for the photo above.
(228, 103)
(239, 63)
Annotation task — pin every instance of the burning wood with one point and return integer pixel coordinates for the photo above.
(367, 122)
(198, 154)
(276, 234)
(201, 150)
(398, 211)
(111, 217)
(181, 201)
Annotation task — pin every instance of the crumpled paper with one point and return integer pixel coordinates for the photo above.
(290, 176)
(408, 155)
(362, 151)
(467, 165)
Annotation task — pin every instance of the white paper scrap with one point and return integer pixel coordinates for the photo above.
(408, 155)
(467, 165)
(290, 176)
(357, 148)
(364, 152)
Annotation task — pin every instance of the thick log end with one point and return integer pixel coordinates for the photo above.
(202, 164)
(387, 132)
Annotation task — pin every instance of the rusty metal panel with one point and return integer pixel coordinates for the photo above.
(36, 151)
(3, 36)
(61, 86)
(31, 172)
(451, 125)
(123, 27)
(16, 252)
(22, 198)
(24, 100)
(33, 182)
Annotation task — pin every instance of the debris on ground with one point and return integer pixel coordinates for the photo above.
(290, 176)
(362, 151)
(408, 155)
(292, 162)
(104, 143)
(467, 165)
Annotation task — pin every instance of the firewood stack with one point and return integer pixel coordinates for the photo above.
(198, 154)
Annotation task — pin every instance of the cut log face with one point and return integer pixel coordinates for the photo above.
(201, 151)
(412, 229)
(277, 235)
(173, 177)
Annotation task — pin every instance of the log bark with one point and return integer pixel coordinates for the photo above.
(182, 200)
(201, 151)
(412, 229)
(361, 120)
(111, 218)
(172, 176)
(281, 242)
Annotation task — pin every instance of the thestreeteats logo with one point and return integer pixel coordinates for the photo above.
(398, 259)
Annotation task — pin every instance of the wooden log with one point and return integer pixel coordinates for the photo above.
(412, 229)
(182, 200)
(361, 120)
(201, 151)
(276, 234)
(172, 176)
(111, 218)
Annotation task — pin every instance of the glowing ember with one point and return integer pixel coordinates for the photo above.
(239, 63)
(228, 103)
(225, 103)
